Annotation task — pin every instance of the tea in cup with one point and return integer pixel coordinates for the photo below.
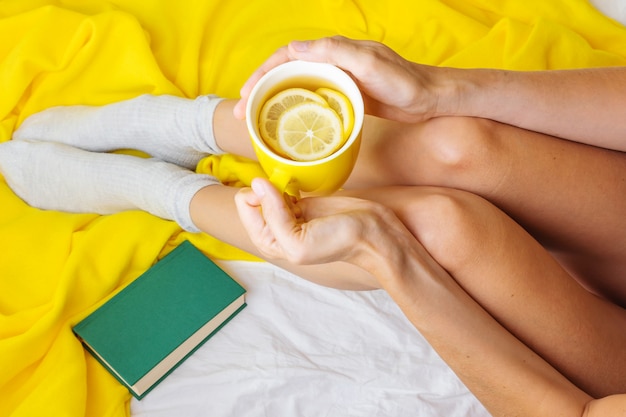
(305, 121)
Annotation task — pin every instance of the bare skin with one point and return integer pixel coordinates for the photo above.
(568, 195)
(491, 159)
(561, 308)
(565, 279)
(518, 381)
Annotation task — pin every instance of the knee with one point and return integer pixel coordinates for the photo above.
(453, 226)
(460, 152)
(458, 146)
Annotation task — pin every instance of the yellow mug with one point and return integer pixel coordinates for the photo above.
(322, 176)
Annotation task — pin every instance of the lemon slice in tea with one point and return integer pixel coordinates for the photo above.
(274, 107)
(341, 105)
(309, 131)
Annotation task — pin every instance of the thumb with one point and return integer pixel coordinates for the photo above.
(249, 209)
(267, 218)
(337, 50)
(279, 216)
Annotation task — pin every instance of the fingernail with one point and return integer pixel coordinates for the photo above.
(258, 187)
(300, 46)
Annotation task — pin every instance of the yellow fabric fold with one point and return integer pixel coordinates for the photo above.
(56, 267)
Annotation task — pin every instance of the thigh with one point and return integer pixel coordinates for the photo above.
(518, 282)
(569, 196)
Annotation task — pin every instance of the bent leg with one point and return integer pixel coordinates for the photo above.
(567, 195)
(495, 261)
(519, 283)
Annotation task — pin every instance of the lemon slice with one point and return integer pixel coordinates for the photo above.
(276, 106)
(309, 131)
(340, 104)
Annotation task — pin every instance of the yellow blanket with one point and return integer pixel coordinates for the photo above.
(56, 267)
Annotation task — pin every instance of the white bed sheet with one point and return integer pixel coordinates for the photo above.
(615, 9)
(300, 349)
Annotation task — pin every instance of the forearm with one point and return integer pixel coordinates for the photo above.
(586, 105)
(506, 376)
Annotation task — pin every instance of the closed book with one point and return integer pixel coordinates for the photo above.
(151, 326)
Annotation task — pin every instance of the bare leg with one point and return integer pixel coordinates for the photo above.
(569, 196)
(231, 134)
(519, 283)
(492, 258)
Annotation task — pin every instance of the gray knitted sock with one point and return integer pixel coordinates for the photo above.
(55, 176)
(170, 128)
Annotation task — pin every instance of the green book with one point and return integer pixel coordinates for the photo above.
(147, 329)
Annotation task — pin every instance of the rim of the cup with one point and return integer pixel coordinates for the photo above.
(358, 108)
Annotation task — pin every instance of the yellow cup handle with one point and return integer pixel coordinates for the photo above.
(282, 181)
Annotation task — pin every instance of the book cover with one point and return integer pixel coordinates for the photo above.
(151, 326)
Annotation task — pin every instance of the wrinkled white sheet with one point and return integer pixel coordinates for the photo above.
(300, 350)
(615, 9)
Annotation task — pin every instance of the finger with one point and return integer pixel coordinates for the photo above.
(292, 204)
(277, 212)
(267, 218)
(239, 111)
(353, 56)
(342, 52)
(356, 58)
(249, 210)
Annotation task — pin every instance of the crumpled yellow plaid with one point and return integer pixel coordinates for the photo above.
(56, 267)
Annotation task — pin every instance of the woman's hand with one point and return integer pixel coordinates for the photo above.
(319, 229)
(392, 87)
